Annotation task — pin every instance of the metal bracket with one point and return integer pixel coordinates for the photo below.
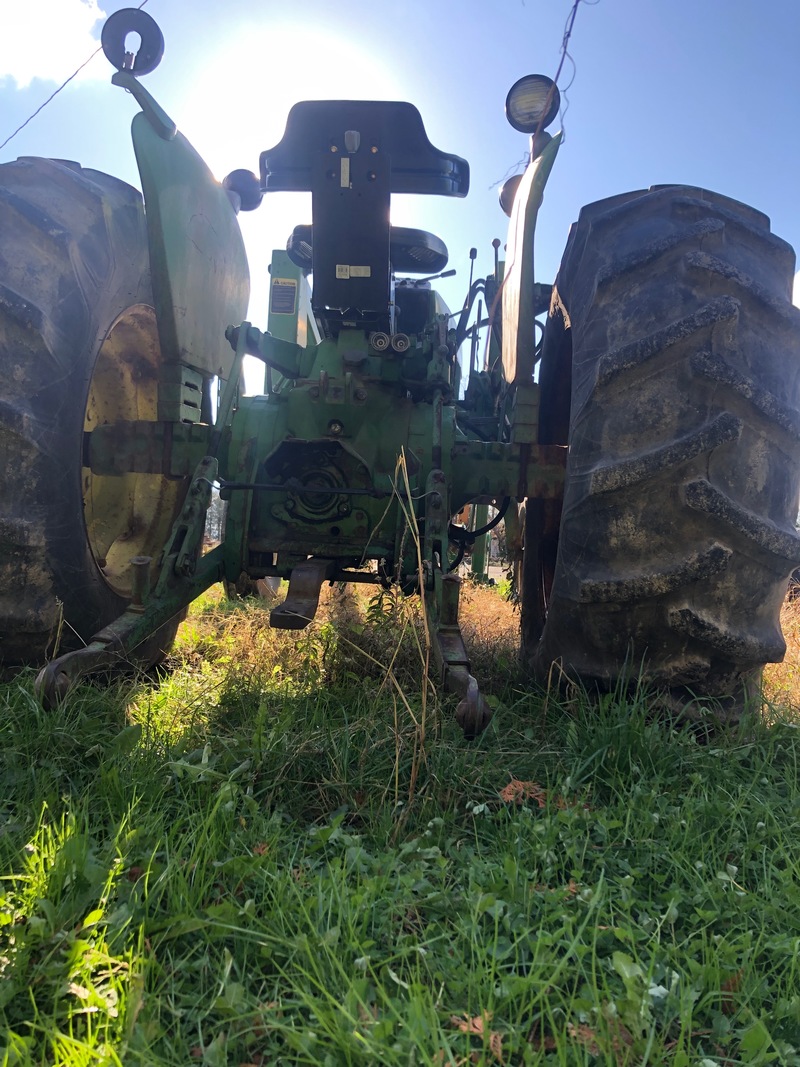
(184, 575)
(302, 600)
(442, 592)
(473, 714)
(114, 647)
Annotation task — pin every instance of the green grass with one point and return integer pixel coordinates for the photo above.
(257, 860)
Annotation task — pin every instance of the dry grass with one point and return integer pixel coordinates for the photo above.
(356, 628)
(356, 633)
(782, 680)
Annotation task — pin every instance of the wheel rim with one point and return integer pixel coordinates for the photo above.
(128, 515)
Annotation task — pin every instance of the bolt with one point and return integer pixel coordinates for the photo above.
(361, 394)
(335, 427)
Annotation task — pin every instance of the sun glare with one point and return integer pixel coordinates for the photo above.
(236, 107)
(249, 82)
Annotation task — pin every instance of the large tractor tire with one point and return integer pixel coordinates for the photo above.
(677, 535)
(78, 347)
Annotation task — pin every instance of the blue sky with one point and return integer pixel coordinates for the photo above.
(701, 92)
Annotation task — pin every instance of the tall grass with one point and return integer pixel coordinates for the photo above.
(252, 860)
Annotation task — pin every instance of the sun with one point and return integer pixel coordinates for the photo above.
(237, 106)
(250, 80)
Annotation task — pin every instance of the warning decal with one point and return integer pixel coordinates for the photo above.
(283, 296)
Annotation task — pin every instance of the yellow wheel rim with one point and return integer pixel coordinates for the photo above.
(132, 514)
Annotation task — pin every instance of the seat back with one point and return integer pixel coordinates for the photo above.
(352, 155)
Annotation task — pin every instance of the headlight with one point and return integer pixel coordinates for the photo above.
(532, 103)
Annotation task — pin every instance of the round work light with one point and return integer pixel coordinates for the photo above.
(532, 103)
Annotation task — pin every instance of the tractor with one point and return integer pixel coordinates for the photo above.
(635, 424)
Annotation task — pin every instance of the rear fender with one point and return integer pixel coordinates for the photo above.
(519, 309)
(201, 281)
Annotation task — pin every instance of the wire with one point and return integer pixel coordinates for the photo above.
(563, 56)
(568, 26)
(464, 314)
(47, 101)
(458, 534)
(462, 547)
(54, 94)
(523, 161)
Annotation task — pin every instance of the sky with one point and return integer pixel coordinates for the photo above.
(697, 92)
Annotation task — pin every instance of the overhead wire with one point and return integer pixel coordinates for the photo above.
(55, 93)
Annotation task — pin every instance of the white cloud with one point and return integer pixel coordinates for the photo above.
(796, 290)
(49, 39)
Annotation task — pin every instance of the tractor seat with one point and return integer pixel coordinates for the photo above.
(410, 251)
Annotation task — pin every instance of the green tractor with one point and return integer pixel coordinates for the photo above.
(641, 445)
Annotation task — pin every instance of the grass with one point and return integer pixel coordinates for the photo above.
(252, 860)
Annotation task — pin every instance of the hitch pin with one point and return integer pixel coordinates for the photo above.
(140, 582)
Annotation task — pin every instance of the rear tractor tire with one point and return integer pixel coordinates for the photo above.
(677, 535)
(78, 348)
